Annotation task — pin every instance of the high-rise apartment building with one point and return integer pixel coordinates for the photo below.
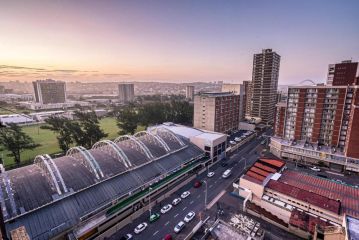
(343, 74)
(190, 92)
(49, 91)
(218, 112)
(324, 115)
(264, 85)
(126, 92)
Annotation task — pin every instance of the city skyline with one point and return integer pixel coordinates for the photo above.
(173, 41)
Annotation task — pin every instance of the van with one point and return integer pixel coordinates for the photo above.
(227, 173)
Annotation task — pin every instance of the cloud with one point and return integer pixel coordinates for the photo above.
(18, 71)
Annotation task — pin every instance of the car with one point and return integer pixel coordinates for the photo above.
(197, 184)
(185, 194)
(166, 208)
(168, 237)
(316, 169)
(140, 227)
(179, 227)
(210, 174)
(227, 173)
(232, 142)
(154, 217)
(301, 165)
(322, 176)
(237, 139)
(176, 201)
(126, 237)
(189, 216)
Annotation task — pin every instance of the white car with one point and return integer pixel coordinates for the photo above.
(140, 227)
(185, 194)
(189, 216)
(232, 142)
(128, 236)
(237, 139)
(166, 208)
(176, 201)
(179, 227)
(227, 173)
(210, 174)
(315, 169)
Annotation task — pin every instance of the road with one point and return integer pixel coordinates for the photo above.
(196, 201)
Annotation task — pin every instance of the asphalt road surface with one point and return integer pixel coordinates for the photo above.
(246, 155)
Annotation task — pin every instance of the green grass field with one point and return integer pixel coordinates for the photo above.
(48, 140)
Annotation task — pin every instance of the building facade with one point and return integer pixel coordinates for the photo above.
(190, 92)
(217, 112)
(126, 92)
(237, 89)
(319, 123)
(343, 74)
(49, 91)
(247, 85)
(264, 85)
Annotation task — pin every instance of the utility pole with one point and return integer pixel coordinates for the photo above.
(205, 196)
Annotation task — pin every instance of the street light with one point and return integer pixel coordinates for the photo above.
(149, 197)
(205, 196)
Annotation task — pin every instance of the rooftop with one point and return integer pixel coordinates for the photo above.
(348, 195)
(216, 94)
(305, 196)
(262, 168)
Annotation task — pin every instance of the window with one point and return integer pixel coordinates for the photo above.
(207, 148)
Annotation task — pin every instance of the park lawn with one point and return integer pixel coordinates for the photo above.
(48, 140)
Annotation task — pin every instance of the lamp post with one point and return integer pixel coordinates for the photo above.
(149, 197)
(205, 196)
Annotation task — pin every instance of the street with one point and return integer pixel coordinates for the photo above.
(196, 201)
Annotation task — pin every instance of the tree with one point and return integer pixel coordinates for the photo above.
(13, 139)
(127, 119)
(87, 131)
(62, 126)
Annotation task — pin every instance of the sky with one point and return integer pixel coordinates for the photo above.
(173, 41)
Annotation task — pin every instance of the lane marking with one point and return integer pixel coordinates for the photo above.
(191, 202)
(215, 181)
(210, 186)
(184, 208)
(155, 233)
(176, 215)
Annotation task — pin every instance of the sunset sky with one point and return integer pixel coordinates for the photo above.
(174, 41)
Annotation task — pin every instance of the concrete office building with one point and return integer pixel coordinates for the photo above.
(217, 112)
(126, 92)
(264, 85)
(343, 74)
(49, 91)
(248, 93)
(190, 92)
(319, 123)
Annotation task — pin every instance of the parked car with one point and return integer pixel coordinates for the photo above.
(154, 217)
(189, 216)
(140, 227)
(197, 184)
(166, 208)
(168, 237)
(210, 174)
(316, 169)
(176, 201)
(179, 227)
(227, 173)
(232, 142)
(126, 237)
(185, 194)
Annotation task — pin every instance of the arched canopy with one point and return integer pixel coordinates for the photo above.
(46, 164)
(136, 143)
(168, 133)
(155, 139)
(87, 159)
(113, 147)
